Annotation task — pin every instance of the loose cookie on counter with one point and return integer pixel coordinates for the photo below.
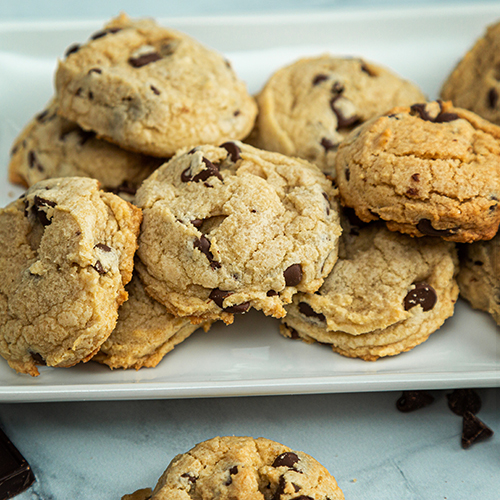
(234, 467)
(152, 90)
(308, 107)
(51, 146)
(67, 253)
(233, 227)
(386, 294)
(479, 276)
(430, 169)
(145, 332)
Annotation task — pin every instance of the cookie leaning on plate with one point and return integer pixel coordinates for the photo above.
(233, 227)
(233, 467)
(152, 90)
(430, 169)
(67, 254)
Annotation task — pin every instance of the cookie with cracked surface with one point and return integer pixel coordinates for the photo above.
(308, 107)
(234, 467)
(233, 227)
(430, 169)
(474, 83)
(479, 276)
(386, 294)
(62, 274)
(145, 332)
(152, 90)
(51, 146)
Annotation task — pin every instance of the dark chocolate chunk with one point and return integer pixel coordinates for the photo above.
(296, 487)
(233, 470)
(492, 98)
(280, 489)
(329, 145)
(461, 401)
(33, 161)
(72, 49)
(319, 78)
(197, 223)
(238, 308)
(413, 400)
(211, 171)
(140, 61)
(154, 89)
(233, 151)
(473, 430)
(203, 245)
(442, 117)
(218, 296)
(98, 267)
(189, 477)
(100, 34)
(423, 294)
(271, 293)
(293, 275)
(186, 175)
(103, 247)
(342, 121)
(41, 214)
(308, 311)
(425, 227)
(16, 475)
(287, 459)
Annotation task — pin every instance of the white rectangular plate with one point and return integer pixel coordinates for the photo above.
(250, 357)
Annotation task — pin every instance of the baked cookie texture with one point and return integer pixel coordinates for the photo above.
(152, 90)
(233, 227)
(67, 254)
(386, 294)
(479, 276)
(145, 332)
(234, 467)
(430, 169)
(51, 146)
(474, 83)
(307, 108)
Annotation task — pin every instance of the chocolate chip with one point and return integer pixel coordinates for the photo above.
(85, 135)
(296, 487)
(415, 177)
(302, 497)
(98, 267)
(91, 95)
(237, 113)
(197, 223)
(280, 489)
(462, 400)
(41, 116)
(72, 49)
(328, 145)
(186, 175)
(492, 98)
(140, 61)
(342, 121)
(233, 470)
(293, 275)
(233, 151)
(412, 192)
(98, 71)
(103, 247)
(423, 294)
(478, 263)
(347, 174)
(40, 214)
(38, 358)
(319, 78)
(287, 459)
(413, 400)
(294, 334)
(337, 88)
(446, 117)
(100, 34)
(442, 117)
(366, 69)
(189, 477)
(218, 296)
(203, 245)
(325, 196)
(238, 308)
(154, 89)
(308, 311)
(425, 227)
(271, 293)
(211, 171)
(473, 430)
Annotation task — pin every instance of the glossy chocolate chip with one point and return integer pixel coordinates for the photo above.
(423, 295)
(197, 223)
(293, 275)
(238, 308)
(103, 247)
(319, 78)
(442, 117)
(473, 430)
(144, 59)
(308, 311)
(492, 98)
(461, 401)
(343, 122)
(210, 171)
(233, 150)
(98, 267)
(425, 227)
(413, 400)
(287, 459)
(218, 296)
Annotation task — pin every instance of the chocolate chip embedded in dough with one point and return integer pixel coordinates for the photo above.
(100, 34)
(75, 47)
(189, 477)
(155, 90)
(203, 245)
(103, 247)
(308, 311)
(328, 145)
(473, 430)
(492, 98)
(98, 267)
(233, 151)
(211, 171)
(293, 275)
(271, 293)
(463, 400)
(413, 400)
(238, 308)
(425, 227)
(423, 295)
(337, 88)
(38, 203)
(287, 459)
(343, 122)
(144, 59)
(218, 296)
(319, 78)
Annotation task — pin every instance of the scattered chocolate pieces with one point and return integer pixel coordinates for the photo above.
(461, 401)
(413, 400)
(473, 430)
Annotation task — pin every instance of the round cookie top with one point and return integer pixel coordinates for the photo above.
(234, 467)
(308, 107)
(152, 90)
(474, 83)
(51, 146)
(232, 227)
(62, 275)
(431, 169)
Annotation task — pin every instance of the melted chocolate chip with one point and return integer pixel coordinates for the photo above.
(140, 61)
(492, 98)
(329, 145)
(72, 49)
(342, 121)
(218, 296)
(103, 247)
(473, 430)
(308, 311)
(413, 400)
(293, 275)
(186, 175)
(319, 78)
(203, 245)
(425, 227)
(461, 401)
(442, 117)
(238, 308)
(423, 295)
(296, 487)
(233, 151)
(40, 214)
(287, 459)
(211, 171)
(280, 489)
(233, 470)
(271, 293)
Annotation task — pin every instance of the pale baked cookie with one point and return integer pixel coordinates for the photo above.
(430, 169)
(51, 146)
(308, 107)
(479, 276)
(386, 294)
(152, 90)
(233, 227)
(474, 83)
(67, 252)
(145, 332)
(236, 467)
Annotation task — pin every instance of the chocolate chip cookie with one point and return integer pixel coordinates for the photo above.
(152, 90)
(386, 294)
(233, 227)
(67, 253)
(479, 276)
(430, 169)
(51, 146)
(308, 107)
(474, 83)
(236, 467)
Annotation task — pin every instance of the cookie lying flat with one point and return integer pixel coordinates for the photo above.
(152, 90)
(431, 169)
(479, 276)
(233, 227)
(308, 107)
(474, 83)
(386, 294)
(51, 146)
(62, 273)
(144, 333)
(244, 468)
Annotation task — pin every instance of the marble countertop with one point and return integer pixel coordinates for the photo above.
(103, 450)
